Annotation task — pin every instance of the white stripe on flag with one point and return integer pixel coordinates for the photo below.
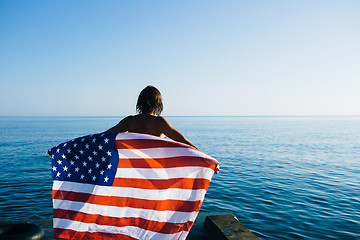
(120, 212)
(165, 173)
(166, 152)
(128, 230)
(132, 136)
(149, 194)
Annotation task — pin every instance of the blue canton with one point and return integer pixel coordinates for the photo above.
(90, 159)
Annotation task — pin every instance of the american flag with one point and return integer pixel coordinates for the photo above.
(127, 186)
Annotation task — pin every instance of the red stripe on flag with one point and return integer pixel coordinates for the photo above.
(148, 143)
(159, 184)
(70, 234)
(154, 226)
(159, 205)
(180, 161)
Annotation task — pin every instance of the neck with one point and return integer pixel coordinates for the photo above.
(147, 114)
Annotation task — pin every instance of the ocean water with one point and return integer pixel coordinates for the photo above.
(283, 177)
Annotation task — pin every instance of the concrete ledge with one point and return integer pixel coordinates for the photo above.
(227, 227)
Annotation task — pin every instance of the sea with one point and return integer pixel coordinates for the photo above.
(287, 178)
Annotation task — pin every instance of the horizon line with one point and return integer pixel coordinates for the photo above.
(305, 115)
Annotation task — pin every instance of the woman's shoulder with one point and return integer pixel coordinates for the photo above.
(160, 119)
(162, 122)
(130, 118)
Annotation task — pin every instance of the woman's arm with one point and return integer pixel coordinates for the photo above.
(172, 133)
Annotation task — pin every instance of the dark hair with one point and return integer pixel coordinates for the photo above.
(149, 101)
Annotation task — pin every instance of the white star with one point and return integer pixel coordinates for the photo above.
(102, 134)
(102, 172)
(109, 166)
(95, 153)
(71, 162)
(59, 162)
(58, 174)
(100, 147)
(76, 157)
(69, 175)
(84, 163)
(93, 178)
(103, 159)
(90, 171)
(81, 152)
(106, 179)
(94, 139)
(87, 146)
(58, 150)
(75, 145)
(54, 168)
(77, 169)
(97, 165)
(63, 156)
(106, 140)
(69, 150)
(52, 156)
(82, 176)
(108, 153)
(65, 144)
(83, 139)
(90, 158)
(65, 168)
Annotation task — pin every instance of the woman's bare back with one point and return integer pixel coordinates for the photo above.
(149, 124)
(144, 123)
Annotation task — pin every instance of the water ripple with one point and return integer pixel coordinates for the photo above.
(284, 178)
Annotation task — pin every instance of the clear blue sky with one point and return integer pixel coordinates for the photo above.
(85, 57)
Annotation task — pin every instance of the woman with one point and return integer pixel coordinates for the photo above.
(148, 121)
